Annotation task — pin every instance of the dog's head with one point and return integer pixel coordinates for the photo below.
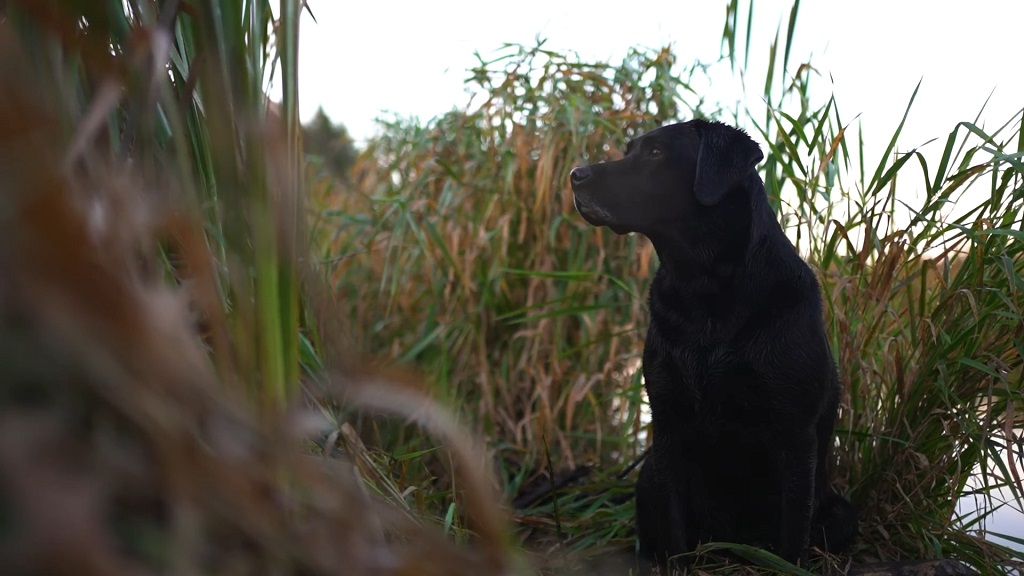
(666, 177)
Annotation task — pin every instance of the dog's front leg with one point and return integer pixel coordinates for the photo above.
(796, 475)
(660, 500)
(659, 522)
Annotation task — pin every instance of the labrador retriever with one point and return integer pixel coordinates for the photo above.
(738, 370)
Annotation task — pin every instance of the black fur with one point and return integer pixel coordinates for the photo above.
(742, 384)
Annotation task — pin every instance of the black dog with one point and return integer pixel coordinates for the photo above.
(740, 377)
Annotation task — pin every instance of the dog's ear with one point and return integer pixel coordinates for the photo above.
(726, 155)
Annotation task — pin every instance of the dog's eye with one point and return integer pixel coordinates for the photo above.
(654, 153)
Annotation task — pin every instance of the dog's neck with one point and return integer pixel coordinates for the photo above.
(706, 268)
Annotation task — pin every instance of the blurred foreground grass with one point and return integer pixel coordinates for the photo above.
(157, 309)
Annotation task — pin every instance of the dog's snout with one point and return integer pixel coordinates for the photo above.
(580, 174)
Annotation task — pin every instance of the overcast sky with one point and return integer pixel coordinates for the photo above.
(411, 57)
(362, 59)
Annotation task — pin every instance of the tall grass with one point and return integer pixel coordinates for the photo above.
(460, 233)
(925, 307)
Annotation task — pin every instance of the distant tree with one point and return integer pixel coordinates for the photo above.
(331, 143)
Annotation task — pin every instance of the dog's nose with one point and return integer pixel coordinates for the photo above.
(579, 174)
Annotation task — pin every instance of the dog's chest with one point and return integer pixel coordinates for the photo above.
(712, 386)
(714, 374)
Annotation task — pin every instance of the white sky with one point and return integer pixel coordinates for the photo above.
(411, 58)
(361, 60)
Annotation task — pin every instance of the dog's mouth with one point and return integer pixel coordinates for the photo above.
(594, 214)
